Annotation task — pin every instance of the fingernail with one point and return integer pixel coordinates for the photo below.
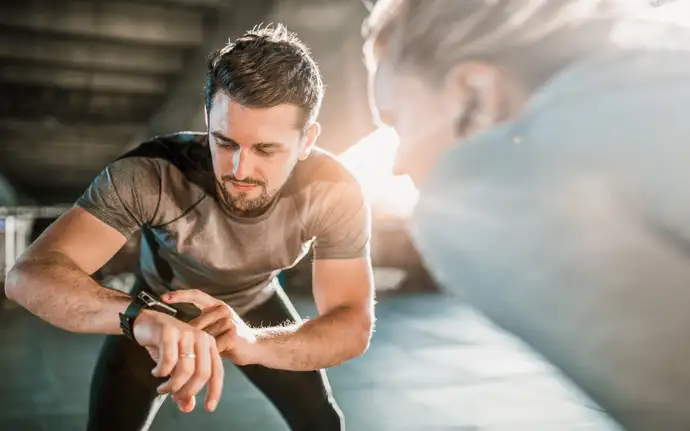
(212, 406)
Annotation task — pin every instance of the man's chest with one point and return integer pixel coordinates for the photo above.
(206, 237)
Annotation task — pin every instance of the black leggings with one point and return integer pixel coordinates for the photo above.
(124, 397)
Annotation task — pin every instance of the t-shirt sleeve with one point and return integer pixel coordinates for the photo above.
(125, 195)
(344, 229)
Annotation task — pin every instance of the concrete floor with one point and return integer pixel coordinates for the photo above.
(433, 365)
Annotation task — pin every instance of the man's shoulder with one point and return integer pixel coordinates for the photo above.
(322, 168)
(180, 156)
(321, 184)
(173, 147)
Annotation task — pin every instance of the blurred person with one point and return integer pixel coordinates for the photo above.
(549, 140)
(221, 214)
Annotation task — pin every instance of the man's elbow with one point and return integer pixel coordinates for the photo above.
(13, 283)
(17, 280)
(364, 332)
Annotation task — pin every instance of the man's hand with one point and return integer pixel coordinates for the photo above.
(188, 355)
(235, 340)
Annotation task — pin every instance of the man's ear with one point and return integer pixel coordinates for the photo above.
(206, 116)
(311, 135)
(477, 93)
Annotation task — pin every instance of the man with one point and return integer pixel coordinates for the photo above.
(549, 139)
(221, 214)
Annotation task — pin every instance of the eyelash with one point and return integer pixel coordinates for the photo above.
(264, 152)
(258, 150)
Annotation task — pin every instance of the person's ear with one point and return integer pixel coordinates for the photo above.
(310, 136)
(476, 93)
(206, 115)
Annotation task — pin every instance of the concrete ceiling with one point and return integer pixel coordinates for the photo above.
(79, 79)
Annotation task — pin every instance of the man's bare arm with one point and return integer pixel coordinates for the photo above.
(344, 294)
(52, 277)
(52, 281)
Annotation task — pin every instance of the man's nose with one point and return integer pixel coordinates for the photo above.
(242, 166)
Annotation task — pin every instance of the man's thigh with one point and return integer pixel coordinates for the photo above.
(304, 399)
(123, 391)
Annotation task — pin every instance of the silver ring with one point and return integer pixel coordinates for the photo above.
(187, 355)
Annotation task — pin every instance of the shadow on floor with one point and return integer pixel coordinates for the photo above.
(433, 365)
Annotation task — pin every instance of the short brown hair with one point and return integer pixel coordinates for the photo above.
(266, 67)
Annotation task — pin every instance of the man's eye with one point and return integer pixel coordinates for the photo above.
(227, 145)
(264, 152)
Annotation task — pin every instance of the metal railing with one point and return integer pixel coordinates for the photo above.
(18, 222)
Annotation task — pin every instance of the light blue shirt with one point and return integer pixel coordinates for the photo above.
(570, 227)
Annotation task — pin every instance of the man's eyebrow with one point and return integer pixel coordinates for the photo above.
(276, 145)
(221, 137)
(218, 135)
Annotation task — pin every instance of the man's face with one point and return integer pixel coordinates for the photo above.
(421, 115)
(254, 150)
(432, 116)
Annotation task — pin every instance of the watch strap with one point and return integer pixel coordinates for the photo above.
(141, 301)
(130, 314)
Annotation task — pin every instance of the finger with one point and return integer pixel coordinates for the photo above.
(211, 316)
(167, 352)
(215, 383)
(220, 327)
(184, 369)
(202, 300)
(202, 370)
(186, 405)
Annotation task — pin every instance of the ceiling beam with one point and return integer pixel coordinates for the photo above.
(65, 161)
(128, 22)
(208, 4)
(35, 102)
(56, 131)
(79, 53)
(82, 79)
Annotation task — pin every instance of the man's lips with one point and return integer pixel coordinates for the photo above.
(243, 187)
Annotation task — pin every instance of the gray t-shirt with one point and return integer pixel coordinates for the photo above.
(166, 188)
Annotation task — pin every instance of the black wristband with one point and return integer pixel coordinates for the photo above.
(141, 301)
(127, 318)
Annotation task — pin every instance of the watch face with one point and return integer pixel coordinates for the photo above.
(152, 302)
(148, 299)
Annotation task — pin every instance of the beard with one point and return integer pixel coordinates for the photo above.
(241, 203)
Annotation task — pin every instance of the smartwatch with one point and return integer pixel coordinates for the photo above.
(143, 300)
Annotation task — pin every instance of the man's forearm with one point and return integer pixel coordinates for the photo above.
(57, 291)
(323, 342)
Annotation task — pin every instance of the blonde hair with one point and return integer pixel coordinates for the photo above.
(435, 34)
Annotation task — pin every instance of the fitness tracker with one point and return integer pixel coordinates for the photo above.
(141, 301)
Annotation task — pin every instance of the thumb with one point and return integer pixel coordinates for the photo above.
(201, 300)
